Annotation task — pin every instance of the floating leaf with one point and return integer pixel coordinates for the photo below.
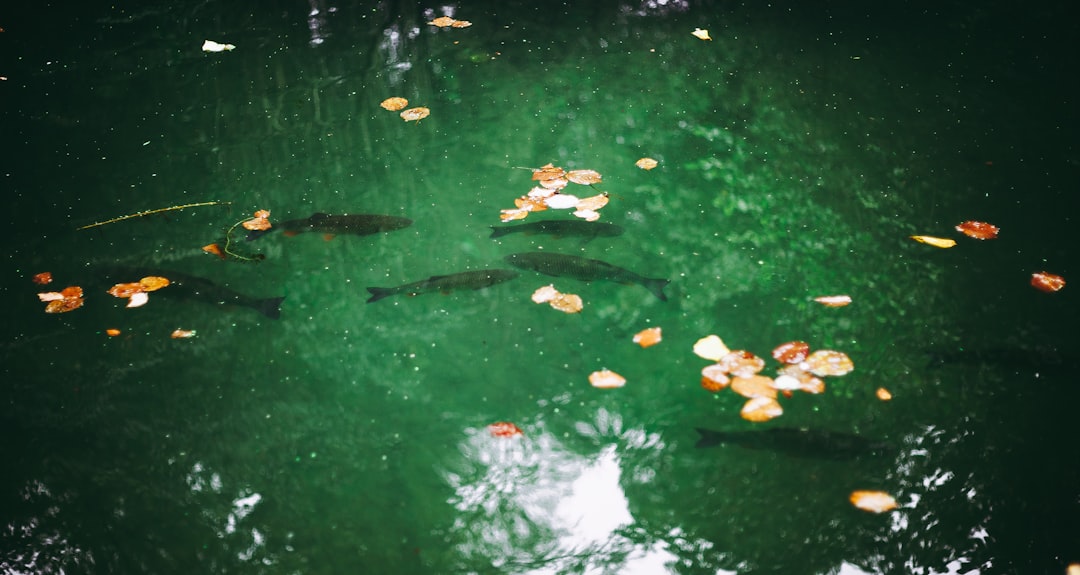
(593, 202)
(548, 172)
(260, 221)
(873, 501)
(702, 34)
(883, 394)
(125, 290)
(567, 303)
(415, 114)
(182, 333)
(562, 201)
(587, 215)
(807, 382)
(448, 22)
(112, 332)
(761, 409)
(791, 352)
(138, 299)
(394, 104)
(504, 429)
(214, 249)
(833, 300)
(153, 283)
(211, 46)
(42, 278)
(753, 386)
(711, 347)
(646, 163)
(825, 362)
(1047, 282)
(714, 377)
(978, 230)
(742, 363)
(606, 379)
(936, 242)
(648, 337)
(583, 177)
(511, 215)
(545, 294)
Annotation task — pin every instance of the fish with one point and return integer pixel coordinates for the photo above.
(194, 288)
(474, 280)
(584, 269)
(561, 228)
(355, 224)
(798, 442)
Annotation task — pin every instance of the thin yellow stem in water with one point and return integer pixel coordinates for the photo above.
(152, 212)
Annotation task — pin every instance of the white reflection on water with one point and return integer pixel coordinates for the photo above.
(531, 505)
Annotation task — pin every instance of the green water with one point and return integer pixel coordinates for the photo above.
(798, 150)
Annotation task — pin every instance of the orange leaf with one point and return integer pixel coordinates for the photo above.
(182, 333)
(567, 303)
(648, 337)
(761, 409)
(791, 352)
(214, 249)
(257, 223)
(394, 104)
(1047, 282)
(153, 283)
(42, 278)
(646, 163)
(583, 177)
(753, 386)
(125, 290)
(936, 242)
(742, 363)
(978, 230)
(873, 501)
(883, 394)
(825, 362)
(111, 332)
(714, 377)
(504, 429)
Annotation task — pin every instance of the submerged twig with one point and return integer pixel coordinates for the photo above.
(152, 212)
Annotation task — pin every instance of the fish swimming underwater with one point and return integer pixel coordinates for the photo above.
(194, 288)
(584, 269)
(810, 443)
(561, 228)
(473, 280)
(355, 224)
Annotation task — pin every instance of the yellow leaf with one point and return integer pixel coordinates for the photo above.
(936, 242)
(702, 34)
(646, 163)
(873, 501)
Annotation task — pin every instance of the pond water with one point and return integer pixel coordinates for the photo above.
(797, 150)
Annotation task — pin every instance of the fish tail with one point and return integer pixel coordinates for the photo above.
(270, 307)
(497, 232)
(377, 293)
(656, 286)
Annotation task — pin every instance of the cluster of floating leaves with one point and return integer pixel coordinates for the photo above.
(68, 299)
(138, 293)
(448, 22)
(564, 302)
(411, 115)
(548, 194)
(1042, 281)
(259, 221)
(740, 370)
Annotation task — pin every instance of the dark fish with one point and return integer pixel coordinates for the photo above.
(188, 287)
(584, 269)
(356, 224)
(575, 228)
(476, 279)
(1017, 359)
(811, 443)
